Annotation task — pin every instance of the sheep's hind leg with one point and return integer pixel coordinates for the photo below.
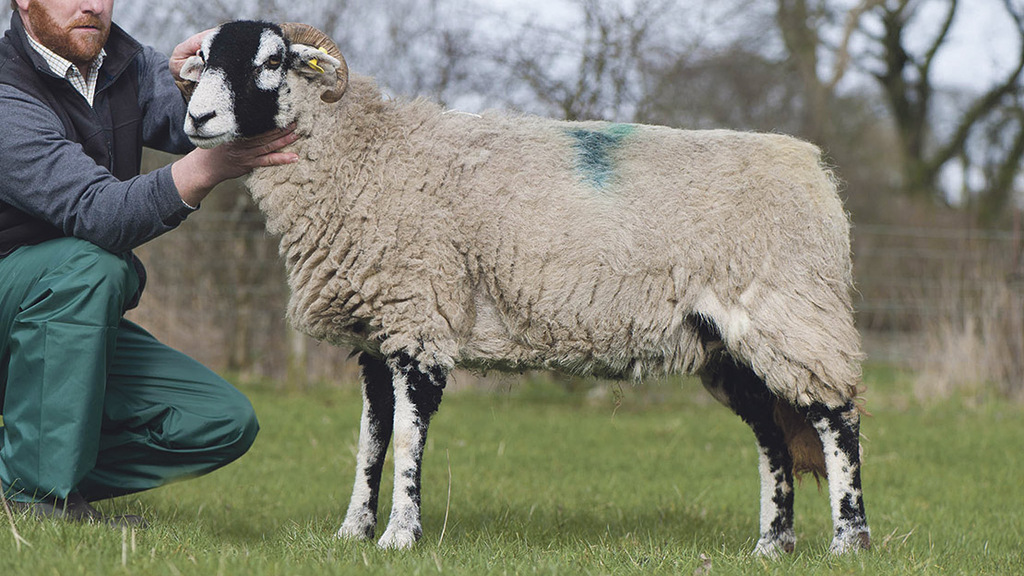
(740, 389)
(839, 430)
(418, 390)
(375, 428)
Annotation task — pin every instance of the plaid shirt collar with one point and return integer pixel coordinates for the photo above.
(84, 85)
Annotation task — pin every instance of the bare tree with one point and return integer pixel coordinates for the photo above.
(986, 133)
(907, 80)
(601, 69)
(999, 155)
(737, 87)
(411, 46)
(800, 23)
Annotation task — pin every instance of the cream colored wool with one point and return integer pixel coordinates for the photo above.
(487, 242)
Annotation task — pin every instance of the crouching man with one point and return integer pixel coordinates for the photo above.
(93, 405)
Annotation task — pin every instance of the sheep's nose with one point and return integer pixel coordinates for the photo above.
(201, 119)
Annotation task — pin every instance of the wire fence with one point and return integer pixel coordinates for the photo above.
(948, 300)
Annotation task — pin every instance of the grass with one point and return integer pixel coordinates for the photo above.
(657, 480)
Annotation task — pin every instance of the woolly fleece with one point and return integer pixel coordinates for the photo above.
(494, 242)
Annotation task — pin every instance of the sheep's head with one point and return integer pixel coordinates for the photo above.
(239, 82)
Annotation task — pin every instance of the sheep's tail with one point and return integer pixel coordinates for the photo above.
(802, 440)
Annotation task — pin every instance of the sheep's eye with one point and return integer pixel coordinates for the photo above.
(273, 63)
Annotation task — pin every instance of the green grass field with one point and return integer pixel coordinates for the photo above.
(657, 480)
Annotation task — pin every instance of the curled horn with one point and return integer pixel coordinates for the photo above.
(305, 34)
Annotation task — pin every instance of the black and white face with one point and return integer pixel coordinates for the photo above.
(241, 66)
(242, 74)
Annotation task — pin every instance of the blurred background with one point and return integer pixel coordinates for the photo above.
(919, 105)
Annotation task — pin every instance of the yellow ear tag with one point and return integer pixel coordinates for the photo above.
(315, 65)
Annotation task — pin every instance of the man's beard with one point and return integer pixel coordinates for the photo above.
(80, 50)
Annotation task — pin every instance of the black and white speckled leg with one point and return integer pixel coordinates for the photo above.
(418, 390)
(740, 389)
(375, 428)
(839, 430)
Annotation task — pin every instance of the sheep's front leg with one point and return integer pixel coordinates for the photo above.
(746, 394)
(418, 391)
(839, 430)
(374, 435)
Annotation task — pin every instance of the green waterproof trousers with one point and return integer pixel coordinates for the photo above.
(91, 402)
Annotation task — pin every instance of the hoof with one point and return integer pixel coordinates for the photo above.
(775, 546)
(853, 541)
(358, 529)
(403, 538)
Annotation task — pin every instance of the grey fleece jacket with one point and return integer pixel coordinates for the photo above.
(50, 177)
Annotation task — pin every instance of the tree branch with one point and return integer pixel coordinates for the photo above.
(843, 52)
(1000, 190)
(985, 103)
(929, 57)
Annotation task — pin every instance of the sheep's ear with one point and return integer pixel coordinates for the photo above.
(192, 69)
(190, 73)
(315, 64)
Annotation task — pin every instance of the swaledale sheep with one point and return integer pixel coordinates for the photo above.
(432, 240)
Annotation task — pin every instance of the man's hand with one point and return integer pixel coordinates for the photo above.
(200, 170)
(239, 157)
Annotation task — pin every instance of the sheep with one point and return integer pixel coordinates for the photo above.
(428, 240)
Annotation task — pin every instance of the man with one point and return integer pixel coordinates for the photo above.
(93, 406)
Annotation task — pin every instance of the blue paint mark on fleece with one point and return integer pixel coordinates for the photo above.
(594, 151)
